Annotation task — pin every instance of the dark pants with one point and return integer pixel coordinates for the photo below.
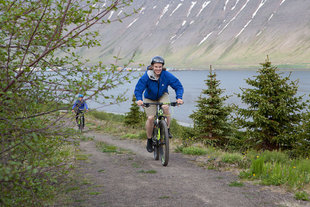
(77, 117)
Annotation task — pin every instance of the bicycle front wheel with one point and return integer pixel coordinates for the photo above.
(164, 143)
(155, 144)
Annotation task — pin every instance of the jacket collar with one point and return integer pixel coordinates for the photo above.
(152, 75)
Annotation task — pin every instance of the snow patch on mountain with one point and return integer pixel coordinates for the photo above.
(163, 13)
(234, 17)
(142, 10)
(270, 17)
(180, 4)
(282, 2)
(111, 14)
(132, 23)
(226, 2)
(204, 5)
(190, 9)
(253, 16)
(205, 38)
(175, 39)
(232, 8)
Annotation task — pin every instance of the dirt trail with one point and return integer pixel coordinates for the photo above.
(124, 181)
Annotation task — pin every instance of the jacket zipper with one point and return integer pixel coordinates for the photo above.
(158, 89)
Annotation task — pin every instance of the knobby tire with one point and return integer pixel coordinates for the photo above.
(156, 146)
(164, 143)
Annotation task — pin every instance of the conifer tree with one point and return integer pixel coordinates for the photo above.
(273, 111)
(211, 119)
(134, 117)
(302, 145)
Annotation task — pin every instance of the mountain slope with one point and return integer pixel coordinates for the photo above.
(197, 33)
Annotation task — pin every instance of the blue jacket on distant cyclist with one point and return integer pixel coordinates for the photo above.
(80, 103)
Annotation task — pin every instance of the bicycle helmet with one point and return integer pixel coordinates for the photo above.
(158, 59)
(80, 96)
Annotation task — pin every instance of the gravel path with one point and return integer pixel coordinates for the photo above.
(136, 179)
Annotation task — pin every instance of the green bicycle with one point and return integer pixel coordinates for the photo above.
(160, 135)
(81, 120)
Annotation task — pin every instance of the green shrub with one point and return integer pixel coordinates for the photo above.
(257, 166)
(302, 195)
(107, 116)
(232, 158)
(275, 156)
(194, 151)
(295, 174)
(29, 176)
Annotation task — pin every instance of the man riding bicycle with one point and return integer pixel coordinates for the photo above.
(79, 106)
(154, 83)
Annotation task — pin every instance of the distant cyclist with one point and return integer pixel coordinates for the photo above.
(79, 106)
(154, 83)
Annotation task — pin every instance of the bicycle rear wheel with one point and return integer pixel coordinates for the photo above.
(164, 143)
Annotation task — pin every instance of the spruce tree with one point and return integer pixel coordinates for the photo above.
(302, 145)
(134, 117)
(273, 111)
(211, 119)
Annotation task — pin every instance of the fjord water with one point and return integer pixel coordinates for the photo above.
(193, 83)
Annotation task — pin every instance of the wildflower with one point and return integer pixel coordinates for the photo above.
(294, 166)
(257, 156)
(307, 158)
(253, 174)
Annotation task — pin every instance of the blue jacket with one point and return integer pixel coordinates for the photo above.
(82, 105)
(154, 88)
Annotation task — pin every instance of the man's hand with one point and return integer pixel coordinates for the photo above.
(139, 103)
(179, 101)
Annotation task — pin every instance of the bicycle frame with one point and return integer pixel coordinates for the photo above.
(81, 119)
(157, 118)
(160, 138)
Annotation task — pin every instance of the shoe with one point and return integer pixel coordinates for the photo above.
(149, 145)
(169, 134)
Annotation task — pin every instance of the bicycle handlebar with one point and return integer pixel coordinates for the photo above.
(160, 104)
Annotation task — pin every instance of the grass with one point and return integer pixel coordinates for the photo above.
(164, 197)
(72, 188)
(232, 158)
(94, 193)
(86, 138)
(275, 168)
(101, 115)
(194, 151)
(148, 171)
(135, 165)
(107, 148)
(140, 135)
(81, 157)
(302, 195)
(236, 184)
